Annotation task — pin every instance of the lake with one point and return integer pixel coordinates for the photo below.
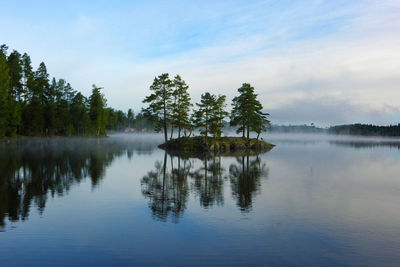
(311, 200)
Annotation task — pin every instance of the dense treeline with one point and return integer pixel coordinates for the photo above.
(366, 129)
(169, 107)
(33, 105)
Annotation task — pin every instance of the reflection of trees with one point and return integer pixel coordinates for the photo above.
(167, 190)
(166, 186)
(33, 170)
(208, 182)
(367, 144)
(245, 180)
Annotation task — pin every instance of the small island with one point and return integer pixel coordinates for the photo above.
(170, 109)
(216, 145)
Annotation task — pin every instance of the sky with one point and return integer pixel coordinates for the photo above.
(310, 61)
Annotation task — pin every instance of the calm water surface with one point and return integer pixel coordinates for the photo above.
(310, 201)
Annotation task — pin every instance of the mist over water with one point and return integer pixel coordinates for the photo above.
(313, 199)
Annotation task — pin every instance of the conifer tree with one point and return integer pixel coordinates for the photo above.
(218, 116)
(15, 93)
(130, 117)
(27, 74)
(79, 113)
(247, 112)
(181, 105)
(210, 114)
(4, 92)
(160, 103)
(97, 111)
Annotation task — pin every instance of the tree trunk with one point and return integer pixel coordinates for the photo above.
(165, 123)
(206, 125)
(179, 132)
(172, 131)
(258, 135)
(248, 132)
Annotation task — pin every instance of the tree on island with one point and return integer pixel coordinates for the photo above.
(160, 102)
(180, 105)
(210, 114)
(247, 112)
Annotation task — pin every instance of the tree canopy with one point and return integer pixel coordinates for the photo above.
(169, 108)
(247, 112)
(32, 104)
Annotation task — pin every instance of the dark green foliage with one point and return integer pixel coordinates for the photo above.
(366, 129)
(218, 116)
(160, 103)
(97, 112)
(210, 115)
(247, 112)
(79, 114)
(31, 105)
(180, 106)
(4, 93)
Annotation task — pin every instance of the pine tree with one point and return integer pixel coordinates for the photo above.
(4, 92)
(247, 112)
(203, 115)
(218, 116)
(181, 105)
(131, 118)
(15, 93)
(97, 111)
(160, 103)
(79, 114)
(27, 74)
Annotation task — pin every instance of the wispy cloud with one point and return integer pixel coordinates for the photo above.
(337, 59)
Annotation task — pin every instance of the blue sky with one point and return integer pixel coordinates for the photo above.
(325, 62)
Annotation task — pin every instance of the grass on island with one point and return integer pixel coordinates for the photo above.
(216, 144)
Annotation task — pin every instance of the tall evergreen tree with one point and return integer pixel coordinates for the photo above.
(15, 93)
(4, 92)
(27, 74)
(79, 113)
(131, 118)
(181, 105)
(97, 111)
(36, 107)
(15, 65)
(218, 116)
(247, 112)
(210, 114)
(160, 103)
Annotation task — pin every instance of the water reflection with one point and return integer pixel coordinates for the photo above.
(167, 191)
(168, 185)
(245, 179)
(33, 170)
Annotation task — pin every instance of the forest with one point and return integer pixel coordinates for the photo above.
(366, 129)
(32, 104)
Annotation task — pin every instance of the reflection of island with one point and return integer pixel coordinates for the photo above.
(167, 187)
(32, 170)
(358, 144)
